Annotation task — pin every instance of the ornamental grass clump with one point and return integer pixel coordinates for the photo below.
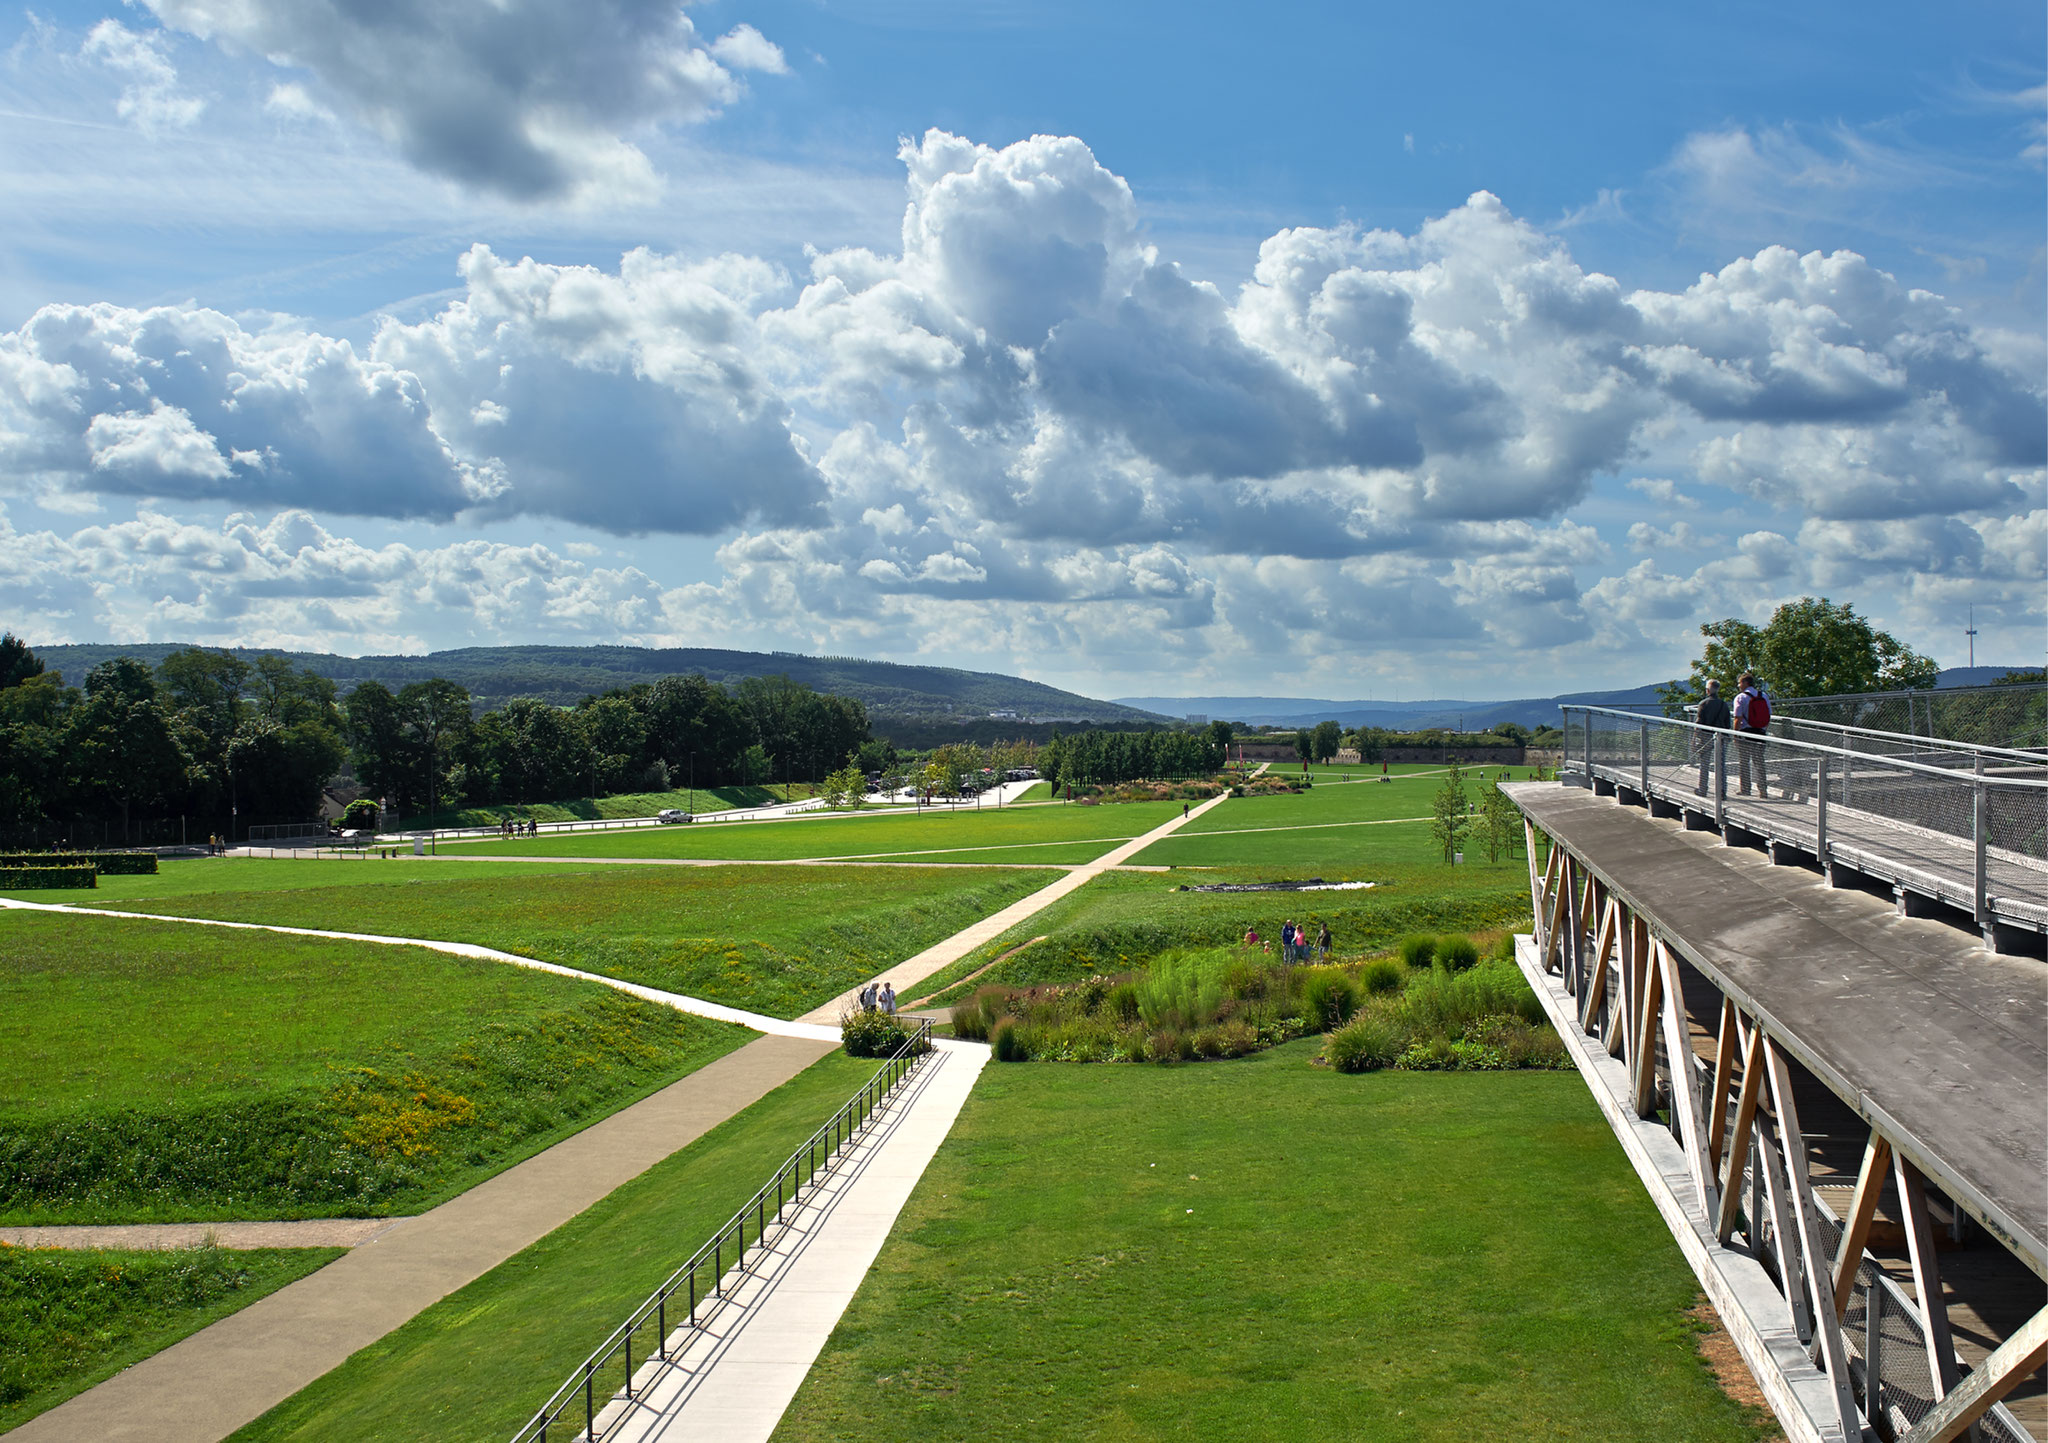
(1456, 953)
(1417, 950)
(1329, 995)
(1383, 975)
(1485, 1018)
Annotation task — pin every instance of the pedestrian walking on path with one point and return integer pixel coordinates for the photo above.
(1323, 942)
(888, 999)
(1752, 720)
(1713, 713)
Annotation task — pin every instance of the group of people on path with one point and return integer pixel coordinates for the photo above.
(513, 827)
(1749, 718)
(879, 997)
(1295, 944)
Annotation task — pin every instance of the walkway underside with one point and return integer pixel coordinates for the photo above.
(1656, 943)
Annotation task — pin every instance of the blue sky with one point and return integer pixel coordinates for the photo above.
(1138, 348)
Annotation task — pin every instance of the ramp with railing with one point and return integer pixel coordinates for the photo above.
(1944, 824)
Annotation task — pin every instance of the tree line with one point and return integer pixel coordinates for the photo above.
(226, 742)
(1104, 758)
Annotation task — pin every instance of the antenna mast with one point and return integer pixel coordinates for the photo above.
(1972, 634)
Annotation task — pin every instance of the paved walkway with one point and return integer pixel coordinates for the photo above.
(736, 1376)
(696, 1006)
(205, 1387)
(151, 1237)
(911, 971)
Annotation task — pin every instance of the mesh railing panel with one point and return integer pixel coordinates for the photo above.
(1998, 716)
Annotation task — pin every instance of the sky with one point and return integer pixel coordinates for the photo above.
(1318, 349)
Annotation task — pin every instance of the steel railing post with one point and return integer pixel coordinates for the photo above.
(1589, 751)
(1820, 811)
(1980, 801)
(1720, 779)
(1643, 757)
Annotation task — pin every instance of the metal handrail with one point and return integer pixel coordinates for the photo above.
(1947, 773)
(839, 1130)
(1921, 743)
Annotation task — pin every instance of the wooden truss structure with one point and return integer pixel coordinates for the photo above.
(1716, 1136)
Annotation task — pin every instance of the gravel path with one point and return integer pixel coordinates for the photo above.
(149, 1237)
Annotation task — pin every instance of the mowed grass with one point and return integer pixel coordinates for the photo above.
(1263, 1249)
(991, 834)
(69, 1320)
(154, 1072)
(779, 940)
(479, 1362)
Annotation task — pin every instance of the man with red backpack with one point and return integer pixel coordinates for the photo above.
(1752, 721)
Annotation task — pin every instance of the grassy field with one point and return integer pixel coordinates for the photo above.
(1121, 918)
(779, 940)
(69, 1320)
(1262, 1249)
(619, 804)
(1021, 834)
(153, 1073)
(515, 1333)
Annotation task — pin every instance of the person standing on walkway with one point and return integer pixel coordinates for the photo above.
(1287, 942)
(888, 998)
(1323, 942)
(1713, 713)
(1183, 811)
(1752, 720)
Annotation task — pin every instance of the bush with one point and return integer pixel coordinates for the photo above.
(362, 812)
(47, 879)
(1005, 1044)
(968, 1023)
(1371, 1040)
(1504, 950)
(1183, 989)
(1383, 975)
(125, 864)
(871, 1034)
(1417, 950)
(1455, 954)
(1329, 995)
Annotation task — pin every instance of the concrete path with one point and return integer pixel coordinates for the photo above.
(911, 971)
(205, 1387)
(735, 1377)
(153, 1237)
(696, 1006)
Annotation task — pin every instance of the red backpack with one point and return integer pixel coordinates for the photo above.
(1759, 711)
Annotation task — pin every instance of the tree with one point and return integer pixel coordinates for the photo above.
(1513, 731)
(17, 662)
(1497, 821)
(1304, 744)
(847, 787)
(1324, 739)
(1808, 648)
(124, 741)
(1221, 735)
(1452, 812)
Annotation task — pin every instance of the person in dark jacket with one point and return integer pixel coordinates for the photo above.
(1713, 713)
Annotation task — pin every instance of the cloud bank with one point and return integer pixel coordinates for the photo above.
(1027, 430)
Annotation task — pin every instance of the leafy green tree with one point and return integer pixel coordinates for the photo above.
(1324, 740)
(124, 741)
(1452, 813)
(35, 773)
(618, 735)
(1220, 733)
(847, 787)
(17, 662)
(1499, 820)
(1809, 647)
(1513, 731)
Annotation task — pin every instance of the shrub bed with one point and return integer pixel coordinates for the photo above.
(47, 879)
(873, 1034)
(110, 864)
(1230, 1001)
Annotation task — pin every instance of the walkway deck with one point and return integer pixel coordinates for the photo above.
(1940, 1043)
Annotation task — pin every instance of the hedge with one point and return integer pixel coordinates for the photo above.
(44, 879)
(111, 864)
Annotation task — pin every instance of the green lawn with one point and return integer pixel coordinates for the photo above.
(480, 1361)
(69, 1320)
(619, 804)
(151, 1072)
(987, 835)
(1263, 1249)
(1120, 919)
(779, 940)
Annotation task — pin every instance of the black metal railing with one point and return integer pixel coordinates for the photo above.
(700, 1283)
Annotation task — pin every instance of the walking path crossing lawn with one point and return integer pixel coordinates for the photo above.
(479, 1362)
(777, 940)
(1055, 834)
(1341, 826)
(70, 1319)
(1264, 1249)
(153, 1073)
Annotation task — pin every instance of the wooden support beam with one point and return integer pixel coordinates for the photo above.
(1553, 893)
(2010, 1362)
(1941, 1349)
(1596, 986)
(1739, 1136)
(1856, 1227)
(1724, 1079)
(1834, 1352)
(1573, 945)
(1643, 1060)
(1685, 1084)
(1622, 1019)
(1535, 881)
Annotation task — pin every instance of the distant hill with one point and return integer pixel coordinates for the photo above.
(1474, 716)
(495, 675)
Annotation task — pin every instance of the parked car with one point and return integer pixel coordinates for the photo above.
(673, 814)
(358, 836)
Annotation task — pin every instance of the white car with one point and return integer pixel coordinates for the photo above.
(673, 815)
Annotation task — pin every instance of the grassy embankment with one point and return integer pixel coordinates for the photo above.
(1265, 1249)
(69, 1320)
(779, 940)
(153, 1073)
(1023, 835)
(618, 804)
(477, 1363)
